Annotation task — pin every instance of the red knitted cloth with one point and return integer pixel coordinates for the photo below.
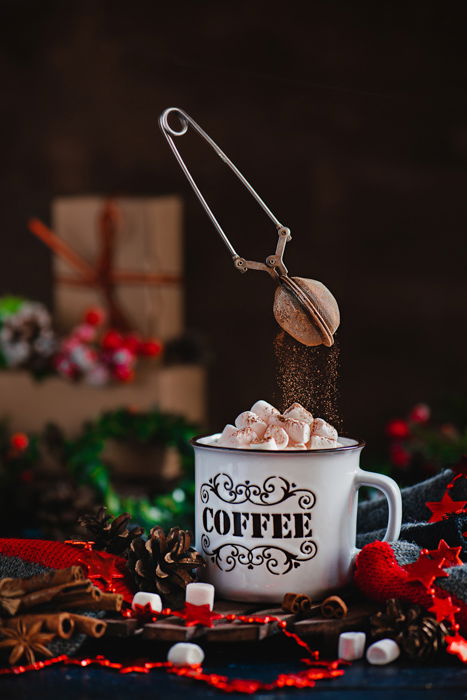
(379, 576)
(56, 555)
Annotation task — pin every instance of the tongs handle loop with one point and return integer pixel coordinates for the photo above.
(185, 121)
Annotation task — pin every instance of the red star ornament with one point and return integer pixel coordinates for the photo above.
(197, 615)
(457, 645)
(425, 570)
(444, 609)
(449, 554)
(446, 506)
(101, 569)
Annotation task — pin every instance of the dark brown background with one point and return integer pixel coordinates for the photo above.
(349, 118)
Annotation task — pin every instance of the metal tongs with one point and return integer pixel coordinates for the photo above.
(304, 308)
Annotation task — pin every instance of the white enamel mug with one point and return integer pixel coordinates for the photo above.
(269, 523)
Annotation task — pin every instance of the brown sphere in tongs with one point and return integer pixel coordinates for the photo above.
(306, 310)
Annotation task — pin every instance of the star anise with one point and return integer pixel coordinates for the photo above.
(25, 640)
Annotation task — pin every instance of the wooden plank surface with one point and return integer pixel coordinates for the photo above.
(315, 628)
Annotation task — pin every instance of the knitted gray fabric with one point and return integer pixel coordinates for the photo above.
(454, 583)
(373, 514)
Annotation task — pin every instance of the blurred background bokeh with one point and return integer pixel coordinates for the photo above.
(350, 119)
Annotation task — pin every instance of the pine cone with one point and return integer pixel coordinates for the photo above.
(58, 505)
(418, 634)
(110, 534)
(164, 564)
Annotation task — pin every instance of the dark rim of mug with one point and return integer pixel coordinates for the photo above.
(325, 450)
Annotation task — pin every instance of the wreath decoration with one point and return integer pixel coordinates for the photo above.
(83, 462)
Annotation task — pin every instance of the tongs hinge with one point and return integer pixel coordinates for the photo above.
(274, 263)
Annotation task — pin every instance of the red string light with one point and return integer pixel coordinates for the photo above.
(317, 669)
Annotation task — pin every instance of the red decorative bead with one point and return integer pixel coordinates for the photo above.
(94, 316)
(399, 456)
(420, 413)
(150, 348)
(132, 343)
(112, 340)
(19, 441)
(124, 373)
(397, 428)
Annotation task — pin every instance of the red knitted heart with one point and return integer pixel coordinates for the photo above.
(379, 575)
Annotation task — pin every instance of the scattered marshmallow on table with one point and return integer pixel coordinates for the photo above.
(142, 599)
(200, 594)
(383, 652)
(185, 654)
(248, 419)
(298, 412)
(351, 645)
(279, 435)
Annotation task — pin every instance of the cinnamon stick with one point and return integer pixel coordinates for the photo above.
(55, 593)
(89, 625)
(107, 601)
(61, 624)
(14, 587)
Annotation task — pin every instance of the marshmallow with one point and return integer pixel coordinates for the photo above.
(264, 444)
(297, 430)
(323, 429)
(248, 419)
(142, 599)
(351, 645)
(200, 594)
(185, 654)
(264, 410)
(236, 437)
(297, 446)
(298, 412)
(279, 435)
(321, 443)
(383, 652)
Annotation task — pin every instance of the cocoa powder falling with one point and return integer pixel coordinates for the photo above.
(307, 375)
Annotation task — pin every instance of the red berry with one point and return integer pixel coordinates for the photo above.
(112, 340)
(420, 413)
(26, 476)
(400, 457)
(19, 441)
(94, 316)
(123, 373)
(397, 428)
(132, 342)
(150, 348)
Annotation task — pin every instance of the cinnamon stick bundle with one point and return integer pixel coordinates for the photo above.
(15, 587)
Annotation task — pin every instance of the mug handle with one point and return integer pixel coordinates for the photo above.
(393, 495)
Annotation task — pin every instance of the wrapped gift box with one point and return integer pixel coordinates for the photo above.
(148, 240)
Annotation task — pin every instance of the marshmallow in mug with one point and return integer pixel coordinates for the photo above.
(298, 412)
(248, 419)
(264, 428)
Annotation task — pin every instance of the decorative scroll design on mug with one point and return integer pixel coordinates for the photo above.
(277, 560)
(274, 490)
